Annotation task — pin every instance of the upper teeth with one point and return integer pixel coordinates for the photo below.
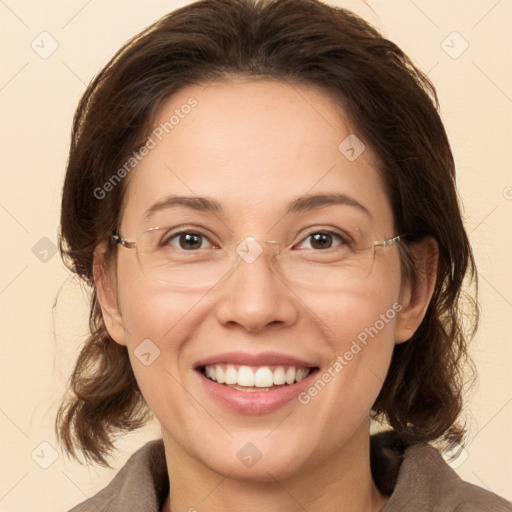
(260, 377)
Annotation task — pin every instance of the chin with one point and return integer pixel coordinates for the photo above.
(268, 468)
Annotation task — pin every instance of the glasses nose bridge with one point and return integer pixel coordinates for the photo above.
(251, 249)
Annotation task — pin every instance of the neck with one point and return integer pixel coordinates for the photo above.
(343, 482)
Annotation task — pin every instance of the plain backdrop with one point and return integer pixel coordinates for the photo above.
(50, 50)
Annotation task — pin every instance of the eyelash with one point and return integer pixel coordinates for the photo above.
(342, 238)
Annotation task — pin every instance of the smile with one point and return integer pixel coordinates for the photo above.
(254, 384)
(254, 378)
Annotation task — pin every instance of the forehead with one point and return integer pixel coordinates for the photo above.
(254, 146)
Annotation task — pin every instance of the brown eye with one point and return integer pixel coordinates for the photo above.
(322, 240)
(187, 240)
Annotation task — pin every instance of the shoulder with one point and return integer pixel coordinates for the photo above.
(424, 481)
(140, 485)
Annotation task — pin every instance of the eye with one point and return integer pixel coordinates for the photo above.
(323, 240)
(186, 240)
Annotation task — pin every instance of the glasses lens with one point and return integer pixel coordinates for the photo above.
(188, 259)
(182, 259)
(327, 271)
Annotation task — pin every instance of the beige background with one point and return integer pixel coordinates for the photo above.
(37, 100)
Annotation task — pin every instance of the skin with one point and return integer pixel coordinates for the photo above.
(254, 145)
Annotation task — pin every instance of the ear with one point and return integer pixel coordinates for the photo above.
(415, 297)
(106, 289)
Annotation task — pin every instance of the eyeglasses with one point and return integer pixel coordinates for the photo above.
(179, 258)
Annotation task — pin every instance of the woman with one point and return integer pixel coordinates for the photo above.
(262, 196)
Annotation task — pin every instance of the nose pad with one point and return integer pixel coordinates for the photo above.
(249, 250)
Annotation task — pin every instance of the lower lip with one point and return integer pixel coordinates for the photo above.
(255, 402)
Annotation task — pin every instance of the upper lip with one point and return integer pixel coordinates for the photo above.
(262, 359)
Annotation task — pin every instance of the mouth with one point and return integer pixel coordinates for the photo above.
(255, 378)
(254, 383)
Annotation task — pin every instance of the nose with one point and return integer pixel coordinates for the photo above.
(254, 294)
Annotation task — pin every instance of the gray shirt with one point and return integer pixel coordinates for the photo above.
(417, 480)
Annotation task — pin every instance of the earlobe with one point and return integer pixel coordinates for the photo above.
(104, 282)
(415, 297)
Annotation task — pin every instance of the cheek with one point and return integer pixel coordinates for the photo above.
(158, 324)
(359, 327)
(369, 332)
(360, 314)
(364, 343)
(148, 309)
(343, 392)
(152, 312)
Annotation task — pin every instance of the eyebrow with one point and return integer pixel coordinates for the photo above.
(298, 205)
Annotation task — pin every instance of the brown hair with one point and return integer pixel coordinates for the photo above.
(395, 108)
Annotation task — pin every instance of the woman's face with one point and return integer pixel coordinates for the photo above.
(254, 147)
